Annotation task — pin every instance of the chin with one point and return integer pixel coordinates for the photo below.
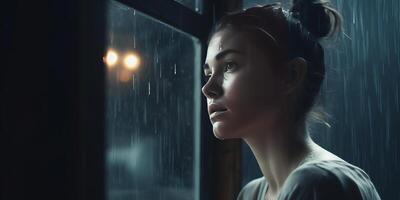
(223, 132)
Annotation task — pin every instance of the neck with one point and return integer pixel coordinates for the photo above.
(279, 156)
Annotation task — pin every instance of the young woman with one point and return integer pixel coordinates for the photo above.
(265, 66)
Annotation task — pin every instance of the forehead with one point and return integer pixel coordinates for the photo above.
(227, 39)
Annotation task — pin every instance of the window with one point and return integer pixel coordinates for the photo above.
(152, 108)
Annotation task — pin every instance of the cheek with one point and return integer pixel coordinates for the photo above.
(250, 100)
(251, 93)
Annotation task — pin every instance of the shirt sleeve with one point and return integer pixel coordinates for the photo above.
(315, 183)
(251, 190)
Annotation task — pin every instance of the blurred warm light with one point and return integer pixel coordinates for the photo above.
(131, 61)
(125, 75)
(111, 58)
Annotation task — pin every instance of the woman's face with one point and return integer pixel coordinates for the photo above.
(242, 87)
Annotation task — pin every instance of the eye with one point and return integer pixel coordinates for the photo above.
(229, 66)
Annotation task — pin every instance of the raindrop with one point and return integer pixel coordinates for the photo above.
(134, 29)
(149, 88)
(175, 68)
(160, 71)
(156, 57)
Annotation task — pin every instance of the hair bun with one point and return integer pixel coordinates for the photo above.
(317, 17)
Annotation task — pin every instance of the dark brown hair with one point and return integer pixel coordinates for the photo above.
(296, 32)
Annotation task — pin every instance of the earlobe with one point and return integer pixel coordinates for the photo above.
(296, 70)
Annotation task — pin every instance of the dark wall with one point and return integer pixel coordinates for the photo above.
(50, 59)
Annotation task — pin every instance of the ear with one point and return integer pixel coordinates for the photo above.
(296, 70)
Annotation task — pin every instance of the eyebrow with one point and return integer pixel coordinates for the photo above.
(223, 54)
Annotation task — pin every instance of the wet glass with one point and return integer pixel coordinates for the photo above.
(152, 108)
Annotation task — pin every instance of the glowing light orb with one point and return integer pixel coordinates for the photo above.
(111, 58)
(131, 61)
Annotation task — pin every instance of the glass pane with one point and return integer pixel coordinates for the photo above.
(152, 119)
(196, 5)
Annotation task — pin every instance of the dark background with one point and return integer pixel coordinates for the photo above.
(52, 87)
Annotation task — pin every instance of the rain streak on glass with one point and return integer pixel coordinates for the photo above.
(152, 110)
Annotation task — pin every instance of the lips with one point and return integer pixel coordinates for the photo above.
(216, 108)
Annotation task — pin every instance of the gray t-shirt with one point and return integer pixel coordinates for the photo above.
(318, 180)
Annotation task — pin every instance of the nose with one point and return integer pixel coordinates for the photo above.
(212, 89)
